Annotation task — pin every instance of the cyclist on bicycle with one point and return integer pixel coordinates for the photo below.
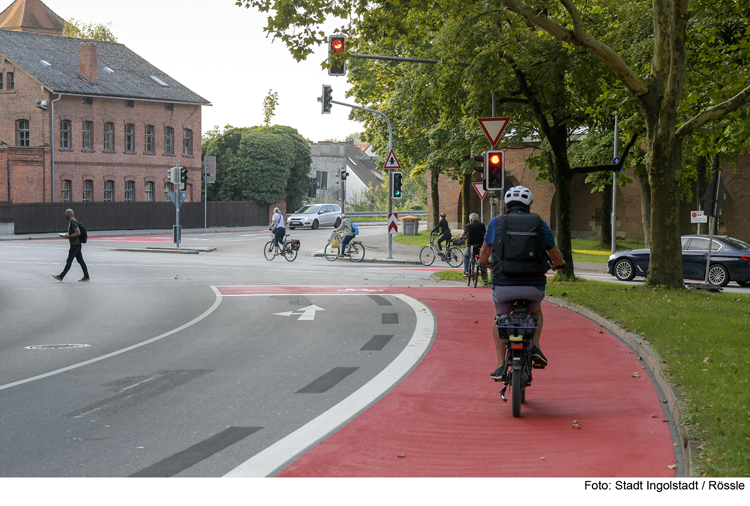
(474, 235)
(347, 230)
(278, 229)
(445, 233)
(507, 287)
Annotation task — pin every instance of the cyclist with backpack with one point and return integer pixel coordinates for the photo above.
(349, 230)
(522, 245)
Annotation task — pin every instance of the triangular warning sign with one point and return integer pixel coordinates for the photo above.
(479, 187)
(392, 162)
(493, 128)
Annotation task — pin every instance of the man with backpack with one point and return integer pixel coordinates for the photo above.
(522, 245)
(76, 236)
(349, 230)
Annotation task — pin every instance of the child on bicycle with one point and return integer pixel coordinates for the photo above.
(474, 235)
(347, 230)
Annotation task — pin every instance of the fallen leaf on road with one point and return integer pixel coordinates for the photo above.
(577, 426)
(672, 466)
(401, 456)
(636, 375)
(654, 415)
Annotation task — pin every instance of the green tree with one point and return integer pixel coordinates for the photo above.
(269, 106)
(260, 164)
(81, 30)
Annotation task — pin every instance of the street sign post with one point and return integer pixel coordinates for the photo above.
(393, 223)
(481, 191)
(493, 128)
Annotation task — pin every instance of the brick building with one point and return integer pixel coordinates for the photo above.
(86, 120)
(586, 212)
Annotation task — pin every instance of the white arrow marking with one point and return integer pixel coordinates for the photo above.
(308, 313)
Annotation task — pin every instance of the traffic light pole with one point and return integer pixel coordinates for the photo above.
(390, 148)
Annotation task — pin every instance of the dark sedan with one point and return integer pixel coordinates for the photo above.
(730, 261)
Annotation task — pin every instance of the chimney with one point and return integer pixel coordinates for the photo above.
(87, 49)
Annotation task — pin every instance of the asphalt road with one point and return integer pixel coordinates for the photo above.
(150, 370)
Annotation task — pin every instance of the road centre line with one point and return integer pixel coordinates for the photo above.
(280, 454)
(210, 310)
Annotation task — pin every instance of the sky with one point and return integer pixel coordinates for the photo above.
(219, 50)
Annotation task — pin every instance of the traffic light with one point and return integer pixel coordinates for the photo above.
(183, 178)
(494, 169)
(336, 50)
(344, 174)
(174, 175)
(326, 99)
(397, 183)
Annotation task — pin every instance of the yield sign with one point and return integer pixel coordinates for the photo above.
(392, 162)
(393, 223)
(493, 128)
(479, 187)
(308, 313)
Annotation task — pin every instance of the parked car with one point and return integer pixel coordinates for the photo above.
(730, 260)
(314, 216)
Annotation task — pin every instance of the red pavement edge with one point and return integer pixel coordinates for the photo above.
(593, 412)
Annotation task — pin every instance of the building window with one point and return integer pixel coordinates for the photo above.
(88, 191)
(11, 81)
(86, 135)
(167, 189)
(149, 191)
(65, 134)
(187, 142)
(169, 140)
(1, 80)
(88, 100)
(149, 146)
(22, 132)
(322, 177)
(129, 191)
(169, 107)
(109, 191)
(129, 132)
(129, 103)
(109, 137)
(66, 190)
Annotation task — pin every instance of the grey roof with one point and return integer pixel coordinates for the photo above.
(362, 165)
(131, 77)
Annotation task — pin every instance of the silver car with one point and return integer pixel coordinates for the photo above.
(314, 216)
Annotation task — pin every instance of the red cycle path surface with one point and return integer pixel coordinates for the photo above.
(447, 418)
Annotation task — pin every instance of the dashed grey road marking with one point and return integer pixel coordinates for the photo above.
(381, 301)
(187, 458)
(390, 318)
(377, 343)
(328, 380)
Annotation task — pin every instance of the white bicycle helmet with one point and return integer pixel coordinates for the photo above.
(519, 194)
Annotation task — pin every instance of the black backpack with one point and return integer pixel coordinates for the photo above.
(84, 237)
(522, 245)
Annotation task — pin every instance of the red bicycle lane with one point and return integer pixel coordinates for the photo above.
(586, 415)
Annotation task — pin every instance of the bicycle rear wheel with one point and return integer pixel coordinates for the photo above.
(517, 394)
(289, 253)
(356, 251)
(454, 256)
(427, 255)
(268, 251)
(330, 252)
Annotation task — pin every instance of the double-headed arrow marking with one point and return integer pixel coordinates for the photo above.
(308, 313)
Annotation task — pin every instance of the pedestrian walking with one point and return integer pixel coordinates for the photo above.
(74, 236)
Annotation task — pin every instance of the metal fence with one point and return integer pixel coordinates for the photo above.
(384, 214)
(50, 217)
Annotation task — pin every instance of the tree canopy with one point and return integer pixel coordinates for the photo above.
(81, 30)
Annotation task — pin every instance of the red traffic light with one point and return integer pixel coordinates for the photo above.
(494, 158)
(337, 45)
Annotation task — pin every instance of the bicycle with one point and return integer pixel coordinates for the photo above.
(475, 270)
(517, 329)
(288, 248)
(454, 255)
(355, 250)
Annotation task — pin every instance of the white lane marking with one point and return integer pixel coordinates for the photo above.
(308, 313)
(210, 310)
(281, 453)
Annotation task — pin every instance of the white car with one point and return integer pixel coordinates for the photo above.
(314, 216)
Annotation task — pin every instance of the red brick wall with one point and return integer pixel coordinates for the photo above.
(27, 181)
(96, 164)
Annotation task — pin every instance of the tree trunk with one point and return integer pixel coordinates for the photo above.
(715, 163)
(645, 208)
(435, 196)
(557, 138)
(466, 198)
(664, 165)
(606, 232)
